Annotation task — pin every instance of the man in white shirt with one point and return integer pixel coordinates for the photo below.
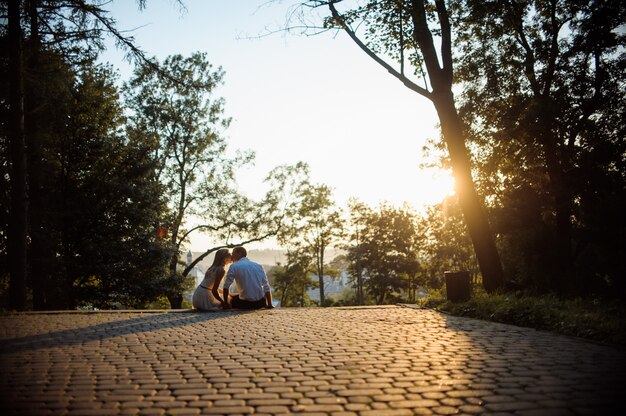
(254, 290)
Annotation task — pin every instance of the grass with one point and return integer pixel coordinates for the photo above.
(594, 319)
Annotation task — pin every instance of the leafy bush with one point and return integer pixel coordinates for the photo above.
(592, 318)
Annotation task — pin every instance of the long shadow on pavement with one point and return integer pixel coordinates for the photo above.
(110, 329)
(524, 368)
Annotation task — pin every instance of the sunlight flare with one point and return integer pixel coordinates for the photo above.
(434, 185)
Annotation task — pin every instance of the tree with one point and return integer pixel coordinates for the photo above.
(446, 245)
(316, 226)
(544, 100)
(404, 30)
(184, 122)
(387, 251)
(359, 213)
(292, 280)
(110, 204)
(74, 30)
(18, 215)
(101, 200)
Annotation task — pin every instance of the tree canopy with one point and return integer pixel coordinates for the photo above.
(543, 96)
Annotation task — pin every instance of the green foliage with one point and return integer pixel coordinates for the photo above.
(446, 245)
(110, 193)
(172, 108)
(526, 242)
(591, 318)
(349, 297)
(94, 198)
(293, 280)
(384, 251)
(314, 224)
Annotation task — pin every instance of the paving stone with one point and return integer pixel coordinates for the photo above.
(413, 403)
(331, 400)
(545, 412)
(362, 392)
(183, 411)
(389, 412)
(494, 398)
(151, 411)
(474, 400)
(445, 410)
(512, 406)
(435, 395)
(451, 402)
(271, 402)
(360, 399)
(388, 397)
(468, 393)
(471, 409)
(234, 410)
(229, 403)
(253, 396)
(272, 409)
(317, 408)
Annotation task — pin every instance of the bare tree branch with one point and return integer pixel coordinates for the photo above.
(529, 58)
(407, 82)
(232, 245)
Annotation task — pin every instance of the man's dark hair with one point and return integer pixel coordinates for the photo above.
(241, 251)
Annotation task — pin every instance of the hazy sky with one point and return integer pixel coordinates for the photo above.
(317, 99)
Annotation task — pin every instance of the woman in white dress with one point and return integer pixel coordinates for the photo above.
(206, 296)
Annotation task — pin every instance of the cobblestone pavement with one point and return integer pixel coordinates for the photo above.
(336, 361)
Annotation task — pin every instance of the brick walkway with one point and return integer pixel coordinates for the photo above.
(337, 361)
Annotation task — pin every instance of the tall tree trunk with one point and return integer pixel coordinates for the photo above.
(283, 296)
(562, 200)
(441, 77)
(471, 204)
(359, 278)
(175, 297)
(18, 218)
(320, 272)
(176, 300)
(41, 255)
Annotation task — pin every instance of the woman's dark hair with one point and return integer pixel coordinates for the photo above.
(221, 255)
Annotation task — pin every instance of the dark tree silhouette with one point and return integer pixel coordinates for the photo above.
(406, 31)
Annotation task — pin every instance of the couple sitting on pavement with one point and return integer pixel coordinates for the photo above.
(253, 289)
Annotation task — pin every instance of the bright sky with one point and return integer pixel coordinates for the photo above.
(317, 99)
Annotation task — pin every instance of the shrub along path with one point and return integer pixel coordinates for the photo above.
(334, 361)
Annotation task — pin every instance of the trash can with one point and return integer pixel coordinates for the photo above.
(457, 286)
